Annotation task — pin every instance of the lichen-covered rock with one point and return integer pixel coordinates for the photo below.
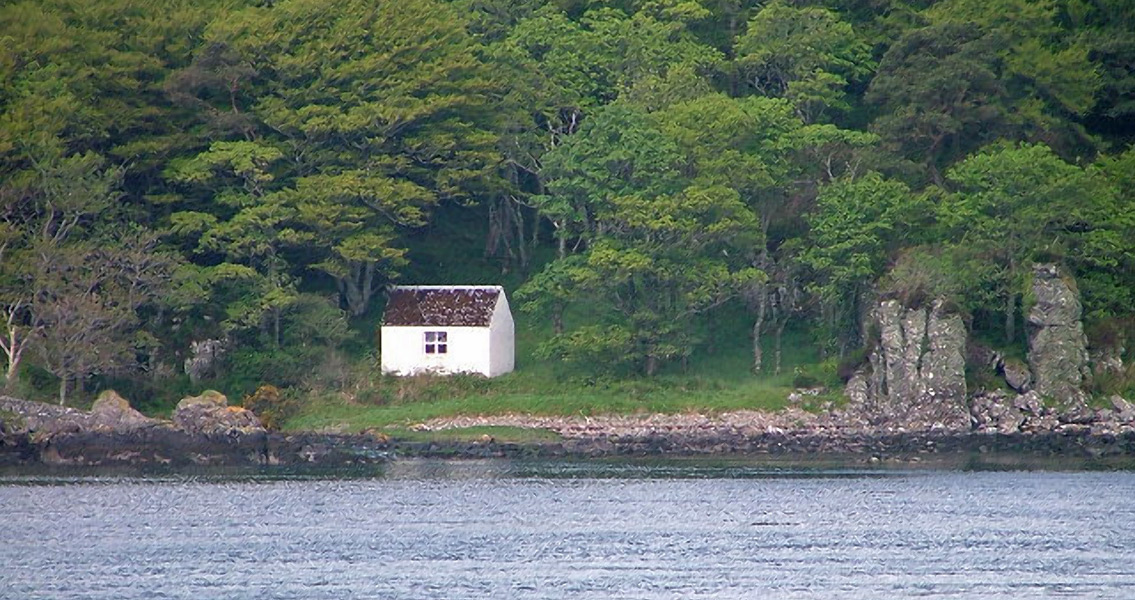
(1017, 375)
(210, 414)
(915, 376)
(1058, 355)
(112, 412)
(207, 398)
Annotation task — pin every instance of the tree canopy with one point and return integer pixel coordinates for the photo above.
(638, 172)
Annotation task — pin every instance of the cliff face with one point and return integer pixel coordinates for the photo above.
(915, 376)
(1058, 355)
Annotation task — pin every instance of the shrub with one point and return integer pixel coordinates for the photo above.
(823, 374)
(272, 405)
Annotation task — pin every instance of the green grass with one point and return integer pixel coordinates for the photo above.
(516, 435)
(333, 412)
(714, 383)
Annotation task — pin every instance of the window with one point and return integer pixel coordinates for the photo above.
(436, 342)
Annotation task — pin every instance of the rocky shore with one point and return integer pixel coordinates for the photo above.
(909, 398)
(207, 432)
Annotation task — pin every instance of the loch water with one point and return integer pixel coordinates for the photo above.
(424, 529)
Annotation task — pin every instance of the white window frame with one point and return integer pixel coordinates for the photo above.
(435, 343)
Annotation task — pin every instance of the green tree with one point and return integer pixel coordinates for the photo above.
(257, 231)
(618, 152)
(660, 263)
(805, 54)
(979, 72)
(1107, 29)
(367, 132)
(73, 278)
(1015, 205)
(561, 69)
(858, 223)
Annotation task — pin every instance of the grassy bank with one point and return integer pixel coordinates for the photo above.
(402, 402)
(711, 383)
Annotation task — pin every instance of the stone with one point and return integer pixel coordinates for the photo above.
(915, 376)
(112, 412)
(1029, 403)
(856, 389)
(1125, 411)
(210, 414)
(204, 359)
(1058, 355)
(1017, 375)
(997, 411)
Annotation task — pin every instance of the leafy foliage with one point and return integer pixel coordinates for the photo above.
(651, 176)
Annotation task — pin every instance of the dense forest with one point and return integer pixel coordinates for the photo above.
(648, 178)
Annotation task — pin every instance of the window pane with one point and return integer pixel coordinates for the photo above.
(441, 335)
(442, 348)
(429, 348)
(431, 336)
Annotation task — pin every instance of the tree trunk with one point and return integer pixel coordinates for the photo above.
(558, 319)
(521, 247)
(9, 380)
(276, 326)
(1010, 320)
(63, 390)
(357, 288)
(758, 325)
(779, 336)
(14, 348)
(651, 365)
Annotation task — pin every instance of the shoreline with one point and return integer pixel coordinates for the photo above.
(164, 448)
(205, 432)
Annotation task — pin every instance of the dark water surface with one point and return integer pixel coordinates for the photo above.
(498, 529)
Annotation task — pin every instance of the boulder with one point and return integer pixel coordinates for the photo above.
(915, 375)
(1124, 410)
(1058, 355)
(112, 412)
(210, 414)
(1030, 403)
(1017, 375)
(996, 411)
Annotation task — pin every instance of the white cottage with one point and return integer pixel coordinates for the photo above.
(447, 329)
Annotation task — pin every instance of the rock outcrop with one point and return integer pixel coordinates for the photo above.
(112, 412)
(1058, 355)
(210, 414)
(915, 375)
(204, 358)
(1003, 412)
